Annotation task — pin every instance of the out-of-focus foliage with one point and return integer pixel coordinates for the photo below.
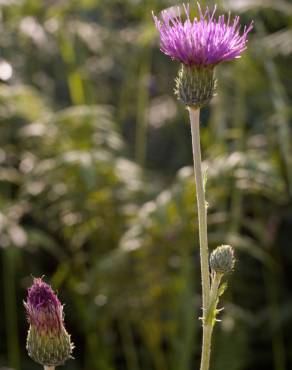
(97, 191)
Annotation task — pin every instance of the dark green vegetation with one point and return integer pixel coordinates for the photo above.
(97, 191)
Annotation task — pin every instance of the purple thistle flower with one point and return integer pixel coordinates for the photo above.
(48, 342)
(200, 42)
(43, 307)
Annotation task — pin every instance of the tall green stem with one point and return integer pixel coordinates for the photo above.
(208, 323)
(202, 216)
(201, 203)
(206, 346)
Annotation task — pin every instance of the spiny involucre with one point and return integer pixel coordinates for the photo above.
(48, 342)
(199, 44)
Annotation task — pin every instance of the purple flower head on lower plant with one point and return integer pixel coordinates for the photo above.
(203, 41)
(43, 307)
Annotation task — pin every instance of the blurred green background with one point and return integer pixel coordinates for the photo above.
(97, 191)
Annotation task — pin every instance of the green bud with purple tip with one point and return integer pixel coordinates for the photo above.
(48, 342)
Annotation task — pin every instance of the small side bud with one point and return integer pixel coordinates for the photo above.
(222, 259)
(195, 85)
(48, 342)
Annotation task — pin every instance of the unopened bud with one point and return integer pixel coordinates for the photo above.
(222, 259)
(48, 342)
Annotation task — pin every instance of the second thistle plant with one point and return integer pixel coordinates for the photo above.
(200, 44)
(48, 342)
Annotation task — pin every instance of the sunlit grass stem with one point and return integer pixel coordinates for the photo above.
(10, 303)
(142, 104)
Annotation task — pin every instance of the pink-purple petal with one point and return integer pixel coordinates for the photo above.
(43, 307)
(204, 41)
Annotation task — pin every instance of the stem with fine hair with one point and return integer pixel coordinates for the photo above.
(202, 217)
(49, 367)
(208, 323)
(201, 203)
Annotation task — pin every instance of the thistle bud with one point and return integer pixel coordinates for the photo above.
(222, 259)
(48, 342)
(195, 85)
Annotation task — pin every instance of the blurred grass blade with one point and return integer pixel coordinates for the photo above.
(9, 263)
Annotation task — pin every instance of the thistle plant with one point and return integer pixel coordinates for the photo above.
(48, 342)
(200, 44)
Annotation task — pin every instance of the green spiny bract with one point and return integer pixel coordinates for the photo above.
(48, 342)
(195, 85)
(48, 349)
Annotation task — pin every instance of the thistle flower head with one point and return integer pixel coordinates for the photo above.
(199, 44)
(203, 41)
(48, 342)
